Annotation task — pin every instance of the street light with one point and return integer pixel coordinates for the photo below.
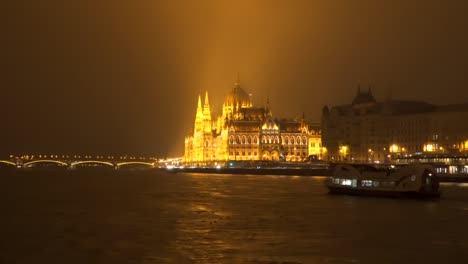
(370, 155)
(323, 152)
(394, 148)
(429, 147)
(343, 150)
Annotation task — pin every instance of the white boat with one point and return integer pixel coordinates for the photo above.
(414, 180)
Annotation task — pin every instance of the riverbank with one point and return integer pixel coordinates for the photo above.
(462, 178)
(254, 171)
(306, 172)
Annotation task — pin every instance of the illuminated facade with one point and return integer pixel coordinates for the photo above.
(315, 142)
(244, 132)
(367, 130)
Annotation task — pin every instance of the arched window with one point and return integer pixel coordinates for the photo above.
(255, 140)
(264, 140)
(286, 140)
(304, 141)
(231, 140)
(238, 140)
(249, 140)
(276, 140)
(293, 141)
(298, 140)
(243, 139)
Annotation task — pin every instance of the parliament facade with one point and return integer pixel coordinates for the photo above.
(367, 130)
(244, 132)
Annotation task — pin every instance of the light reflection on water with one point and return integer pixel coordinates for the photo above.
(456, 184)
(182, 218)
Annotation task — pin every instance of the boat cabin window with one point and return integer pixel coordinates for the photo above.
(366, 183)
(346, 182)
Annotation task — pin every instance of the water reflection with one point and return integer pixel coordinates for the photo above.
(200, 233)
(181, 218)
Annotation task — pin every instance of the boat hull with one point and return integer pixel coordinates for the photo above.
(382, 193)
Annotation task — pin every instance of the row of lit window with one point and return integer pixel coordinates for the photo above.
(364, 183)
(315, 145)
(243, 153)
(267, 140)
(243, 140)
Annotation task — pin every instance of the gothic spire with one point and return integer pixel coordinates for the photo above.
(199, 107)
(199, 102)
(206, 108)
(206, 99)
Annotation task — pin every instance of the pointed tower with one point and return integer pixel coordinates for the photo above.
(206, 107)
(206, 115)
(199, 107)
(268, 111)
(199, 117)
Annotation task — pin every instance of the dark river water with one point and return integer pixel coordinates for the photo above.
(192, 218)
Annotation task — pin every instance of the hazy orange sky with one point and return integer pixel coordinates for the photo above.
(123, 76)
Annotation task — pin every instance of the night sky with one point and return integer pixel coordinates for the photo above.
(115, 77)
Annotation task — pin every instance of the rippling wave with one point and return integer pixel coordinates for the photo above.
(195, 218)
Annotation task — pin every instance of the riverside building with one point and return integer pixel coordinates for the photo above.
(367, 130)
(244, 132)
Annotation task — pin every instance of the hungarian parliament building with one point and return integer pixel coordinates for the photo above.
(244, 132)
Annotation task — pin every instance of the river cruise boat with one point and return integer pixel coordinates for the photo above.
(413, 180)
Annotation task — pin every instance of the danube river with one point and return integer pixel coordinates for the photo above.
(154, 217)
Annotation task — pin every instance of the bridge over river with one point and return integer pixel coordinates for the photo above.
(77, 163)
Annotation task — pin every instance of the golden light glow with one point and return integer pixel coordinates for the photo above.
(225, 138)
(265, 126)
(136, 163)
(344, 149)
(92, 161)
(45, 161)
(394, 148)
(8, 162)
(429, 147)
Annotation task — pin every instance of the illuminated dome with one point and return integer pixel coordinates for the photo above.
(238, 96)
